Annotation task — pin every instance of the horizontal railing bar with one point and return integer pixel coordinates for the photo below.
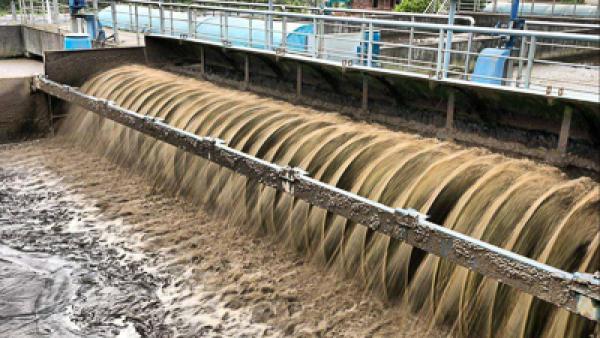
(408, 24)
(575, 292)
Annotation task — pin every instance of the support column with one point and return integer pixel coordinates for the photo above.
(563, 138)
(298, 81)
(365, 93)
(246, 72)
(450, 112)
(202, 61)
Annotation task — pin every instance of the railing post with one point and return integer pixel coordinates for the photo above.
(316, 42)
(521, 57)
(113, 9)
(150, 18)
(137, 24)
(13, 10)
(468, 55)
(411, 39)
(362, 42)
(447, 54)
(225, 27)
(250, 30)
(283, 44)
(267, 44)
(161, 19)
(370, 46)
(440, 55)
(171, 26)
(530, 59)
(191, 25)
(55, 11)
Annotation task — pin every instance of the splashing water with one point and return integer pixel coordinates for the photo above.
(521, 206)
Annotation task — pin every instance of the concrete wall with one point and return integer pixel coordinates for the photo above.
(36, 40)
(11, 41)
(22, 115)
(75, 66)
(20, 40)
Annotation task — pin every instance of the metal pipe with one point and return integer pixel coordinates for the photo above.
(577, 292)
(13, 10)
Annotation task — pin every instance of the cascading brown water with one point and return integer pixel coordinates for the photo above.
(526, 208)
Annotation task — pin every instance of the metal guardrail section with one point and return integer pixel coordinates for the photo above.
(576, 292)
(439, 52)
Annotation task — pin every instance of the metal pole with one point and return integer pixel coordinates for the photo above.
(113, 9)
(283, 44)
(137, 24)
(270, 26)
(411, 40)
(370, 47)
(447, 54)
(191, 25)
(55, 11)
(468, 56)
(13, 10)
(246, 72)
(250, 29)
(530, 58)
(171, 27)
(439, 53)
(521, 58)
(161, 18)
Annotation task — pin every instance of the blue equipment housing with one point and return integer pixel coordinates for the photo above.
(74, 41)
(491, 65)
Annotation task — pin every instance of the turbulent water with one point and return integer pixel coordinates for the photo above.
(521, 206)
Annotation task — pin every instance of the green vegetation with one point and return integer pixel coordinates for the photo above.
(417, 6)
(4, 6)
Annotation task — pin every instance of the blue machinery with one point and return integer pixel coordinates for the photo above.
(491, 66)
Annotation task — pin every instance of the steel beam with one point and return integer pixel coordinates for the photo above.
(575, 292)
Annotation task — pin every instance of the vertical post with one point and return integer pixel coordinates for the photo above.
(370, 47)
(171, 27)
(298, 80)
(202, 61)
(250, 30)
(521, 57)
(130, 11)
(362, 43)
(225, 26)
(450, 111)
(113, 9)
(150, 18)
(13, 10)
(283, 44)
(191, 25)
(95, 5)
(266, 43)
(563, 138)
(270, 26)
(411, 40)
(246, 71)
(365, 93)
(468, 55)
(439, 53)
(530, 59)
(137, 24)
(316, 42)
(55, 11)
(447, 54)
(161, 18)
